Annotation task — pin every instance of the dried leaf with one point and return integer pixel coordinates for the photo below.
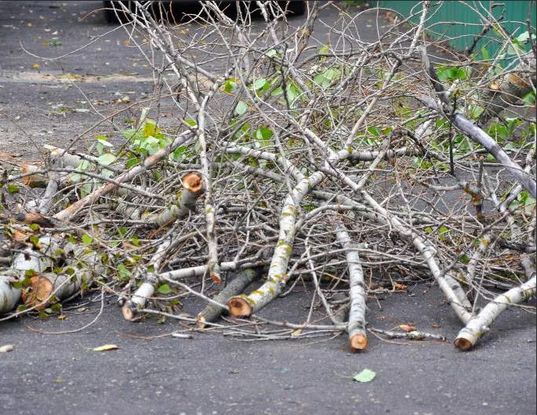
(365, 376)
(7, 348)
(407, 328)
(399, 286)
(105, 348)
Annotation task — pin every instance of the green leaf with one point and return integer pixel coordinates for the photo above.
(485, 53)
(272, 53)
(374, 131)
(132, 161)
(164, 289)
(241, 108)
(104, 141)
(106, 159)
(12, 188)
(364, 376)
(277, 91)
(259, 84)
(86, 239)
(325, 49)
(123, 271)
(150, 127)
(34, 239)
(263, 133)
(190, 122)
(230, 85)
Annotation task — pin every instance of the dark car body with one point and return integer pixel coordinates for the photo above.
(114, 12)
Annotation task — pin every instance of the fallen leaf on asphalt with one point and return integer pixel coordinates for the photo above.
(182, 336)
(7, 348)
(364, 376)
(407, 328)
(399, 286)
(105, 348)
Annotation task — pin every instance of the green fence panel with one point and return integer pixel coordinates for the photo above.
(459, 22)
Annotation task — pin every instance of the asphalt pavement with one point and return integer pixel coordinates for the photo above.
(152, 372)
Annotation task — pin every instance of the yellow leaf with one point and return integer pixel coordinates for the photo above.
(296, 333)
(6, 348)
(105, 348)
(36, 66)
(407, 328)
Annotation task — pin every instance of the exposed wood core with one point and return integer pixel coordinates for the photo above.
(39, 293)
(237, 285)
(358, 342)
(193, 182)
(239, 307)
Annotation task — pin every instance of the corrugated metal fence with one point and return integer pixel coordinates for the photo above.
(459, 22)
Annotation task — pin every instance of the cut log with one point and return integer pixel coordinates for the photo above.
(237, 285)
(33, 180)
(479, 325)
(357, 322)
(192, 189)
(47, 288)
(9, 294)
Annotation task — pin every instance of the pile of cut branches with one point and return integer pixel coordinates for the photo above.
(353, 166)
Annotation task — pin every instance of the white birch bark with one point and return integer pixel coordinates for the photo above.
(193, 187)
(147, 288)
(246, 305)
(28, 260)
(82, 264)
(9, 295)
(357, 321)
(479, 325)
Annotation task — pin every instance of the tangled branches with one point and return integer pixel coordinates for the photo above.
(350, 164)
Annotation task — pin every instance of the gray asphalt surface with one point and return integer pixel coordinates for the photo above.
(211, 374)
